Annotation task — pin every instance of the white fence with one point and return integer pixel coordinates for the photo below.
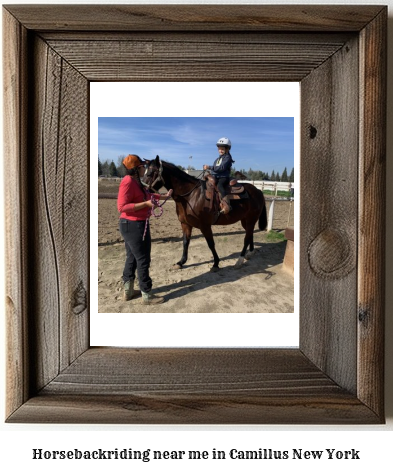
(273, 186)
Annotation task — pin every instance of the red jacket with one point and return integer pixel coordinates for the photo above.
(130, 194)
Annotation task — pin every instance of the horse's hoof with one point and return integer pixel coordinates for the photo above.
(239, 262)
(214, 269)
(249, 255)
(177, 267)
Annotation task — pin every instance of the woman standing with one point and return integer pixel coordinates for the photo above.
(134, 203)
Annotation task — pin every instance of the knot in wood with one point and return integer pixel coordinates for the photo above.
(363, 316)
(330, 254)
(80, 299)
(313, 132)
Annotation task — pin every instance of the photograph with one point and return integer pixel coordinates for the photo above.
(219, 242)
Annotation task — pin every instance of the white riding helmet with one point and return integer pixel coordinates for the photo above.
(224, 141)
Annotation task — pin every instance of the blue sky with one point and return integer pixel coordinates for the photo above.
(259, 143)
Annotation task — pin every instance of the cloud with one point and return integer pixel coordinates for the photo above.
(259, 143)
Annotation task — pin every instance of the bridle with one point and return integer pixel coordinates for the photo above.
(160, 177)
(157, 179)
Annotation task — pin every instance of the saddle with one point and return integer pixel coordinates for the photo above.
(234, 190)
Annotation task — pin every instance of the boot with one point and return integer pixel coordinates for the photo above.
(129, 291)
(149, 298)
(225, 206)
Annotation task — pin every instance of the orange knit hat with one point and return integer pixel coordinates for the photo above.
(132, 161)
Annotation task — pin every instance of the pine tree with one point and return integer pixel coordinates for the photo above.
(99, 167)
(112, 169)
(121, 170)
(259, 176)
(105, 168)
(284, 176)
(292, 176)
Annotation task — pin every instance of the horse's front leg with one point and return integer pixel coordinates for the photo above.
(187, 230)
(208, 234)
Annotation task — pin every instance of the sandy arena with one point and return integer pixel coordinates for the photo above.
(261, 285)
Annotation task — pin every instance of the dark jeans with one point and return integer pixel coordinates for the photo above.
(137, 252)
(221, 184)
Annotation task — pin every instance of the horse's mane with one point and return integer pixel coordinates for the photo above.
(180, 174)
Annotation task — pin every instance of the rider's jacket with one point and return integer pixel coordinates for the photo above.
(222, 166)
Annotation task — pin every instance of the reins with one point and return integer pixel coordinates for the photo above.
(189, 192)
(160, 177)
(156, 204)
(198, 184)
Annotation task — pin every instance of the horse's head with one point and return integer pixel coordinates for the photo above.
(153, 178)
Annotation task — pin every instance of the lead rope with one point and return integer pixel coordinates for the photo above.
(158, 206)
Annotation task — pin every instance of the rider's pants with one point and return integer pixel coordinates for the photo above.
(221, 184)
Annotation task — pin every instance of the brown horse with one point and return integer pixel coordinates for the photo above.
(193, 209)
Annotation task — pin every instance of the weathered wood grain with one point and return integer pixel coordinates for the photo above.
(336, 375)
(329, 187)
(372, 207)
(206, 371)
(193, 386)
(196, 18)
(189, 36)
(155, 409)
(185, 59)
(59, 178)
(16, 211)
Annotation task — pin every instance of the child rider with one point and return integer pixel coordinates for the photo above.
(221, 170)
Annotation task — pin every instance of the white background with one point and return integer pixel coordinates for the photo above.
(373, 442)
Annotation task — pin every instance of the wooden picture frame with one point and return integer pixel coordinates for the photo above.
(338, 54)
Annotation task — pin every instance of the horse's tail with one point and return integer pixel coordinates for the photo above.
(262, 223)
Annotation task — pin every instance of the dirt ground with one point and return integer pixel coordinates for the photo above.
(261, 285)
